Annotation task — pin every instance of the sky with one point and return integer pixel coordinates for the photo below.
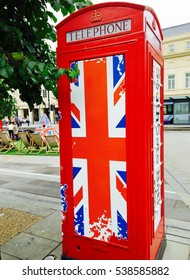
(169, 12)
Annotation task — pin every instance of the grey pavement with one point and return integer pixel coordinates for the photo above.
(177, 194)
(31, 184)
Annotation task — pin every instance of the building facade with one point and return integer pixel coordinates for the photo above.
(176, 52)
(49, 107)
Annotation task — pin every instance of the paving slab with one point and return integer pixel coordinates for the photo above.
(5, 191)
(178, 232)
(169, 212)
(34, 187)
(171, 195)
(57, 252)
(45, 187)
(178, 239)
(50, 170)
(8, 257)
(181, 205)
(37, 201)
(29, 247)
(26, 207)
(2, 182)
(15, 184)
(49, 227)
(181, 214)
(186, 198)
(176, 251)
(186, 186)
(31, 175)
(170, 203)
(178, 224)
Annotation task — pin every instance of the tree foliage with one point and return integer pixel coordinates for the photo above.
(26, 58)
(7, 102)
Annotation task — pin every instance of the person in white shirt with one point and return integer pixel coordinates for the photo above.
(10, 130)
(15, 131)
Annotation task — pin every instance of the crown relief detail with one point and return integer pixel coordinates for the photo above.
(95, 17)
(154, 24)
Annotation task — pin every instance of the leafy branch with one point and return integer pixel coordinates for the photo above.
(26, 59)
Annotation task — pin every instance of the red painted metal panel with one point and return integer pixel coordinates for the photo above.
(111, 185)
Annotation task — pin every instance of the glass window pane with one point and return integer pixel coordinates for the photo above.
(170, 109)
(171, 48)
(44, 93)
(171, 81)
(181, 113)
(187, 80)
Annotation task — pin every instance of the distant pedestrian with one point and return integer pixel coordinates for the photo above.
(56, 118)
(6, 120)
(20, 120)
(10, 127)
(27, 121)
(16, 120)
(12, 119)
(15, 131)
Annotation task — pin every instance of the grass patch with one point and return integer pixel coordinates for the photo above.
(14, 151)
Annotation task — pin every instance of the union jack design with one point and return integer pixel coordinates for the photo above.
(64, 203)
(116, 96)
(118, 176)
(48, 129)
(78, 104)
(81, 215)
(98, 115)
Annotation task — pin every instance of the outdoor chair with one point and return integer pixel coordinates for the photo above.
(52, 144)
(7, 143)
(38, 143)
(25, 143)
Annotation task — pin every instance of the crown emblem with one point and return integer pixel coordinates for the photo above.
(154, 24)
(96, 16)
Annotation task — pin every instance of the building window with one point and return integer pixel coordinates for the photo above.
(171, 81)
(188, 45)
(187, 80)
(44, 92)
(171, 48)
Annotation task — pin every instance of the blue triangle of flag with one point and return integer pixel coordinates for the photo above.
(76, 170)
(123, 175)
(74, 123)
(122, 123)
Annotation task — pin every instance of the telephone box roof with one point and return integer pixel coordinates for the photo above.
(111, 4)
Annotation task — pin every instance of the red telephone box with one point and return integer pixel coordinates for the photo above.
(111, 133)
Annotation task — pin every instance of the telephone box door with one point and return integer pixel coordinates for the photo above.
(100, 153)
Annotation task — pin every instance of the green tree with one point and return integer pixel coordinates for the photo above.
(7, 102)
(26, 58)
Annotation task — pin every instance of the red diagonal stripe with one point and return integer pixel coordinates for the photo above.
(122, 188)
(78, 196)
(119, 91)
(75, 111)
